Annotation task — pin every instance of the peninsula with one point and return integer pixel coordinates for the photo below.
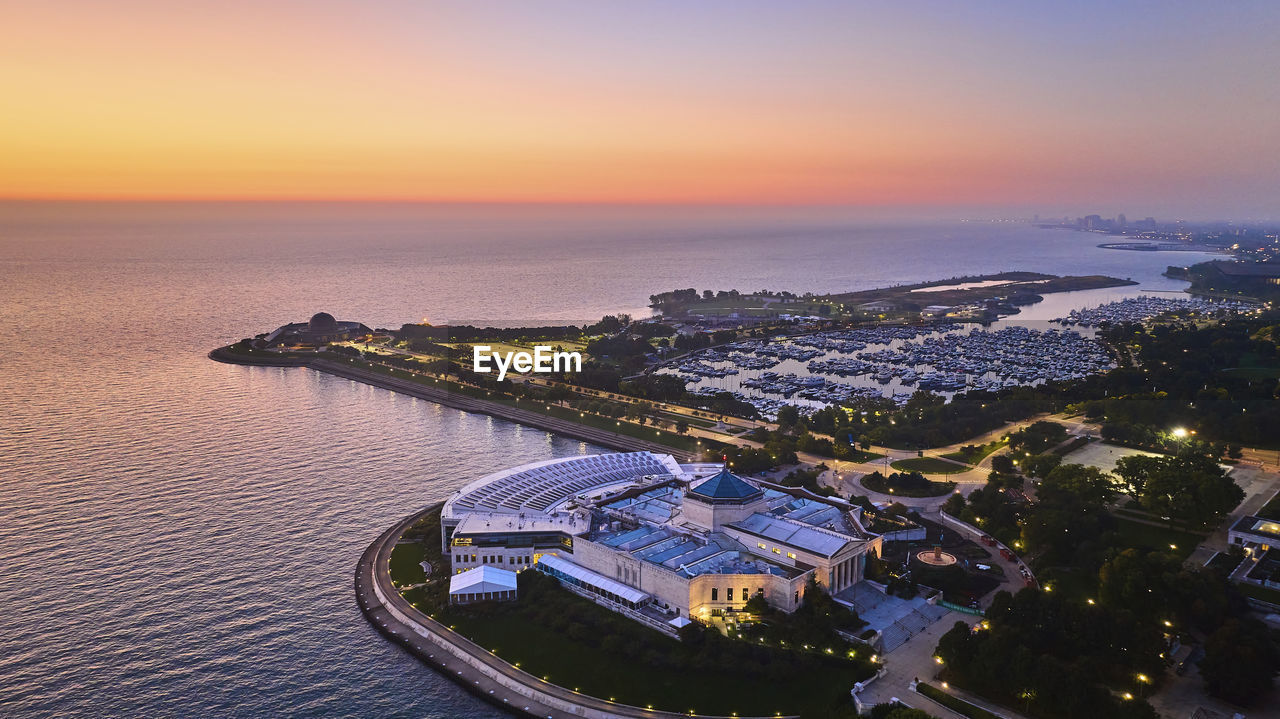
(974, 297)
(801, 548)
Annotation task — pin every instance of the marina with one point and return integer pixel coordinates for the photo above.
(1146, 307)
(885, 365)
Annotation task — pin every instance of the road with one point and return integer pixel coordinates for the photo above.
(845, 476)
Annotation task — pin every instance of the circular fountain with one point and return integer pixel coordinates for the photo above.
(936, 557)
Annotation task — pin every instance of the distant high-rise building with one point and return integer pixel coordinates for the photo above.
(1120, 220)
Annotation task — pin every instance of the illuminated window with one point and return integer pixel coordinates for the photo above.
(791, 554)
(760, 545)
(777, 551)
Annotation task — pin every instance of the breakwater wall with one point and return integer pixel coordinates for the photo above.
(460, 659)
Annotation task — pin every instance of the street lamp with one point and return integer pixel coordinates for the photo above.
(1180, 432)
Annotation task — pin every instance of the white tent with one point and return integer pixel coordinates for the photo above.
(680, 622)
(482, 583)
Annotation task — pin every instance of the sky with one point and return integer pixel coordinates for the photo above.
(1165, 108)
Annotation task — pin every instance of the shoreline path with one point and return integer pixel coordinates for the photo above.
(461, 660)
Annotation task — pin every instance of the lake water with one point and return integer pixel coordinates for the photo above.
(178, 536)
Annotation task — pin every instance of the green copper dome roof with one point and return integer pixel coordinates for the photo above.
(726, 487)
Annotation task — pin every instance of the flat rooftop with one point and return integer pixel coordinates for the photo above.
(1259, 526)
(819, 514)
(793, 533)
(542, 486)
(692, 555)
(504, 522)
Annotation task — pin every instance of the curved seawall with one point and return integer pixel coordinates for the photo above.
(460, 659)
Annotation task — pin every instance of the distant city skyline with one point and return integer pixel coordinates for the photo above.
(928, 108)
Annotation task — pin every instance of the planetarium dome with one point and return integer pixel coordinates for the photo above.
(322, 322)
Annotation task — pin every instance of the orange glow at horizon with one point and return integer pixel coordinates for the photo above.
(402, 101)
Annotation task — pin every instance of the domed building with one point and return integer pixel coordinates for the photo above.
(321, 329)
(660, 541)
(722, 499)
(322, 323)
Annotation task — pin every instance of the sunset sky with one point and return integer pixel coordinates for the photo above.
(1155, 108)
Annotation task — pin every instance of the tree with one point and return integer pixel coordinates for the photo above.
(954, 505)
(1240, 661)
(1053, 655)
(1091, 486)
(1134, 471)
(682, 427)
(1143, 582)
(1189, 485)
(1037, 437)
(1040, 465)
(788, 416)
(758, 606)
(1070, 516)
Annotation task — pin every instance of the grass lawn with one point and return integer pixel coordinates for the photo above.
(931, 489)
(1129, 512)
(631, 429)
(1224, 562)
(954, 703)
(405, 567)
(860, 456)
(1260, 593)
(1146, 536)
(928, 465)
(1253, 366)
(581, 646)
(691, 421)
(1074, 583)
(1271, 510)
(981, 453)
(1081, 585)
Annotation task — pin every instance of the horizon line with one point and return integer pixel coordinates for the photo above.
(995, 211)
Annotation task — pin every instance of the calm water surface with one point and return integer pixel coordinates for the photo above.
(178, 536)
